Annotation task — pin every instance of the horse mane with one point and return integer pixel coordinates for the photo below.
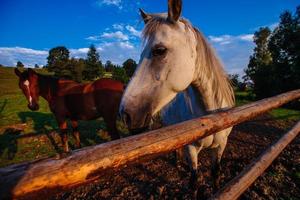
(213, 68)
(55, 85)
(208, 65)
(47, 83)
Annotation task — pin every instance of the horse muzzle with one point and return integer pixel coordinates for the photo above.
(33, 106)
(136, 121)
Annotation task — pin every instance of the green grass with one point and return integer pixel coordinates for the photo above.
(243, 98)
(285, 113)
(8, 81)
(37, 141)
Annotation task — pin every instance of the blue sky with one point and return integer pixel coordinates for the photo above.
(29, 28)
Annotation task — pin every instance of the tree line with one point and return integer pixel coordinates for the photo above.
(88, 69)
(274, 66)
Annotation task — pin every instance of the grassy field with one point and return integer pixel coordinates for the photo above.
(27, 135)
(279, 113)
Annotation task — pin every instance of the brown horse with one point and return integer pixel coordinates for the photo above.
(70, 100)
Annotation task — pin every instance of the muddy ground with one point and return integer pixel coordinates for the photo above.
(160, 178)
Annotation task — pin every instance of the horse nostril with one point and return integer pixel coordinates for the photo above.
(147, 120)
(126, 118)
(33, 107)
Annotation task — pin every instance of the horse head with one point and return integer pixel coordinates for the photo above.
(166, 66)
(28, 83)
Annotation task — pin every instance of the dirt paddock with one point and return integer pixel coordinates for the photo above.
(160, 178)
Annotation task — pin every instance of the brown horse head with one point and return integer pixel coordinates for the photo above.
(28, 83)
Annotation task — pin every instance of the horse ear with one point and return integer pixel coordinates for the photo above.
(17, 72)
(146, 17)
(174, 10)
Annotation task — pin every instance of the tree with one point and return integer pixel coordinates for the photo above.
(234, 78)
(236, 82)
(20, 64)
(78, 66)
(259, 69)
(274, 66)
(36, 66)
(93, 68)
(109, 67)
(58, 61)
(119, 74)
(285, 48)
(129, 66)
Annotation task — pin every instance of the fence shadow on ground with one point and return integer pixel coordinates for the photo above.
(45, 123)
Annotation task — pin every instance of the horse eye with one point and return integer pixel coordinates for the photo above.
(159, 51)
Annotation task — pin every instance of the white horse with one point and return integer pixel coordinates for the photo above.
(180, 75)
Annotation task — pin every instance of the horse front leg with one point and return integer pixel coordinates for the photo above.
(179, 157)
(63, 126)
(76, 133)
(196, 175)
(217, 153)
(112, 127)
(216, 165)
(113, 131)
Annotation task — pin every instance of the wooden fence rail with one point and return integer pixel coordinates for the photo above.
(85, 164)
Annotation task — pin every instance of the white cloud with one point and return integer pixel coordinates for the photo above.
(124, 6)
(9, 56)
(78, 53)
(126, 45)
(21, 50)
(133, 31)
(246, 37)
(93, 38)
(234, 51)
(220, 39)
(118, 43)
(117, 3)
(115, 35)
(118, 52)
(118, 27)
(228, 39)
(118, 31)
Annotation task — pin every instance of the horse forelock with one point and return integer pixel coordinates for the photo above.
(154, 24)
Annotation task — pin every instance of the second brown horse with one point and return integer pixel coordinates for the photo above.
(70, 100)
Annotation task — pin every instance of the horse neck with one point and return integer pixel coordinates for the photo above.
(210, 79)
(47, 87)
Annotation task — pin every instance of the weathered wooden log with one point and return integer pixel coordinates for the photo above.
(240, 183)
(84, 165)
